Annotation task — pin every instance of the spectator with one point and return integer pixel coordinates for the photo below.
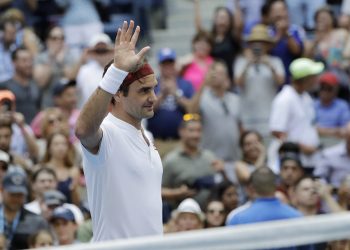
(41, 239)
(99, 53)
(6, 134)
(332, 113)
(174, 95)
(15, 190)
(195, 66)
(258, 74)
(7, 46)
(266, 206)
(330, 45)
(308, 194)
(288, 37)
(214, 214)
(334, 162)
(227, 192)
(43, 179)
(22, 140)
(253, 157)
(188, 216)
(23, 85)
(219, 110)
(53, 64)
(344, 193)
(64, 226)
(291, 171)
(226, 32)
(189, 170)
(292, 112)
(59, 156)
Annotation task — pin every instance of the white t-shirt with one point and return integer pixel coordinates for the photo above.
(294, 114)
(123, 183)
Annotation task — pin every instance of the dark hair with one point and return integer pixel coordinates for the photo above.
(219, 190)
(16, 51)
(203, 35)
(269, 4)
(263, 180)
(231, 22)
(289, 147)
(43, 169)
(304, 178)
(328, 10)
(246, 133)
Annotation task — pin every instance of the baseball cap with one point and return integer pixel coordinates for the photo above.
(62, 213)
(303, 67)
(189, 205)
(61, 86)
(329, 78)
(100, 38)
(166, 54)
(15, 181)
(54, 198)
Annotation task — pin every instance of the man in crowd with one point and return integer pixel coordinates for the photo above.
(173, 99)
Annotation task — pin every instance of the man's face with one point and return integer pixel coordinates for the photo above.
(9, 32)
(68, 99)
(44, 182)
(5, 139)
(167, 68)
(65, 231)
(219, 76)
(328, 92)
(291, 172)
(188, 221)
(13, 201)
(139, 102)
(191, 134)
(306, 193)
(24, 63)
(101, 53)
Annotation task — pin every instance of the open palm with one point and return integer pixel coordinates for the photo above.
(125, 57)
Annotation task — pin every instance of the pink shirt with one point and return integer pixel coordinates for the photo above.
(195, 73)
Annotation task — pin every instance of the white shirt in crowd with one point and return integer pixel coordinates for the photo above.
(123, 183)
(88, 77)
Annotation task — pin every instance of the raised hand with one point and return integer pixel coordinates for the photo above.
(125, 57)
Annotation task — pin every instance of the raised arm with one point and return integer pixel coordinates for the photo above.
(94, 111)
(197, 15)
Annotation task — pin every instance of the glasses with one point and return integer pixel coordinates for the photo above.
(212, 211)
(101, 51)
(191, 117)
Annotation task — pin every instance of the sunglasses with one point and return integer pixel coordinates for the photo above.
(101, 51)
(212, 211)
(191, 117)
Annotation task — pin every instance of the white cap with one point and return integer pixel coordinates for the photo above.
(189, 205)
(100, 38)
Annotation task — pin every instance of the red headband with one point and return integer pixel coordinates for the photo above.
(145, 70)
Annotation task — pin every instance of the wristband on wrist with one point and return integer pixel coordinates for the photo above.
(112, 80)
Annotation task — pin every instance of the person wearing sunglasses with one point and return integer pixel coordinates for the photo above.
(332, 113)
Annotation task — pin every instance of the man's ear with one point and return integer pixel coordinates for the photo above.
(117, 96)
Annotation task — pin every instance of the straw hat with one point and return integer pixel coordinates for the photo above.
(259, 33)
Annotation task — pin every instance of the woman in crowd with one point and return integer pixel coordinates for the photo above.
(214, 214)
(60, 157)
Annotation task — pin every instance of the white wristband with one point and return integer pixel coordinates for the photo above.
(112, 80)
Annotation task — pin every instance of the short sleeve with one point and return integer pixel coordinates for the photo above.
(98, 159)
(279, 115)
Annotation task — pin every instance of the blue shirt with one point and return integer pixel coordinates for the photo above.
(167, 118)
(281, 47)
(265, 209)
(337, 114)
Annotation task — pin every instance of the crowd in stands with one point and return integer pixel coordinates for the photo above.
(252, 125)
